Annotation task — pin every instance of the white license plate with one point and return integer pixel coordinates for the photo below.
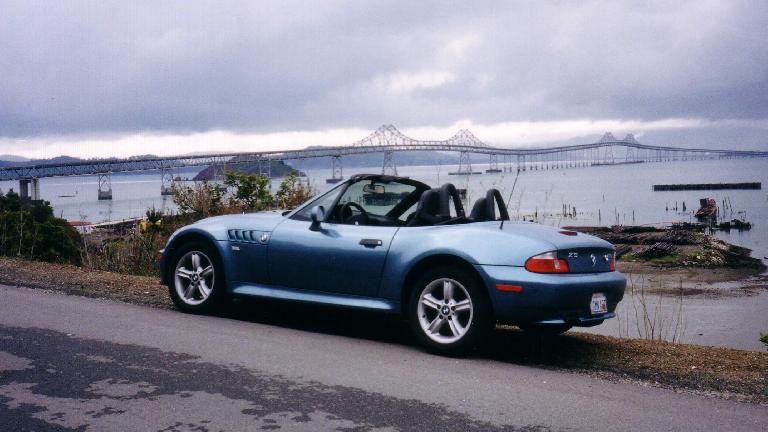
(598, 304)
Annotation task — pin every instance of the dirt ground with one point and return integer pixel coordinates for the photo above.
(143, 290)
(713, 283)
(722, 372)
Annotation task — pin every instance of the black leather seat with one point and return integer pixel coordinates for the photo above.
(435, 206)
(427, 210)
(484, 208)
(480, 211)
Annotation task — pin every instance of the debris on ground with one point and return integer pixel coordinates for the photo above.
(681, 245)
(656, 250)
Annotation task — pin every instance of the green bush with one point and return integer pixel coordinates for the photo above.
(292, 192)
(764, 339)
(28, 229)
(136, 251)
(204, 199)
(250, 192)
(244, 193)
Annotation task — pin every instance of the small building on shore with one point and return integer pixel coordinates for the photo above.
(83, 227)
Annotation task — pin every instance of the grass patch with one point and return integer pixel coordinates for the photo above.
(663, 260)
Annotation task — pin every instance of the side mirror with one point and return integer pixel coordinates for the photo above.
(318, 215)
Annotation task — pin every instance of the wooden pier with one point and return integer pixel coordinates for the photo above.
(706, 186)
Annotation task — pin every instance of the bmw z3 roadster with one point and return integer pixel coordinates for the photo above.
(394, 244)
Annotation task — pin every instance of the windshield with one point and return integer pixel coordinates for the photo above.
(375, 197)
(371, 200)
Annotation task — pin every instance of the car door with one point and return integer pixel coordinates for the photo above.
(337, 258)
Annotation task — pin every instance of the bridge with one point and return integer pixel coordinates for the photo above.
(386, 140)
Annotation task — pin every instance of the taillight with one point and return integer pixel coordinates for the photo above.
(546, 263)
(611, 258)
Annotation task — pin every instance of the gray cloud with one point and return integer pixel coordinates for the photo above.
(96, 67)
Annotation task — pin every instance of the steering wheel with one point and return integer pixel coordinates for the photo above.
(349, 218)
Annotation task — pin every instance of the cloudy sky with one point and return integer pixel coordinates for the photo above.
(98, 78)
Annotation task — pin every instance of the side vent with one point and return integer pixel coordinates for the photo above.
(244, 236)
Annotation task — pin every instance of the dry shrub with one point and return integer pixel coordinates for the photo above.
(136, 251)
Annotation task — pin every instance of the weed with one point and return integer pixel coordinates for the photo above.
(654, 317)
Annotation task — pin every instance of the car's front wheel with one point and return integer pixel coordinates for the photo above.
(197, 282)
(448, 310)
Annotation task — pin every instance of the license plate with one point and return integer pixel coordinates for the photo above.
(598, 304)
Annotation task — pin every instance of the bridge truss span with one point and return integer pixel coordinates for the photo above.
(388, 140)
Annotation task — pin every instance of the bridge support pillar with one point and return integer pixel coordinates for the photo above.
(166, 182)
(29, 188)
(465, 165)
(265, 169)
(337, 174)
(507, 163)
(493, 163)
(389, 166)
(105, 186)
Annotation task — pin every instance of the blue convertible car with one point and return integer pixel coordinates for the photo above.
(395, 244)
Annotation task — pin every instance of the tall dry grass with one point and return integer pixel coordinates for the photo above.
(655, 316)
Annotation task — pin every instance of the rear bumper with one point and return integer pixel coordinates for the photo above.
(551, 298)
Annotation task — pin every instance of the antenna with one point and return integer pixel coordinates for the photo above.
(506, 204)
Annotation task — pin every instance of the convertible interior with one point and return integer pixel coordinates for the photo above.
(398, 201)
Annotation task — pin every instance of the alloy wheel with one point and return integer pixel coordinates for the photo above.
(445, 310)
(194, 278)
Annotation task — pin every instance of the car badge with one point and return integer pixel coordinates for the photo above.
(264, 237)
(594, 260)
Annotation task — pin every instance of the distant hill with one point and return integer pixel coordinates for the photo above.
(12, 158)
(276, 169)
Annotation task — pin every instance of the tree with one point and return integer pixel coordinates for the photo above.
(203, 199)
(250, 192)
(29, 230)
(292, 192)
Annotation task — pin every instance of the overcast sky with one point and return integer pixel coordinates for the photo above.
(100, 78)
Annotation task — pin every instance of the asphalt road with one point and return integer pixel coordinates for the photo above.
(71, 363)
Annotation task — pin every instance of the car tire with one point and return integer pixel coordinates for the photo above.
(449, 311)
(545, 329)
(196, 278)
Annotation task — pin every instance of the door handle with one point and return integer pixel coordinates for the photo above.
(372, 243)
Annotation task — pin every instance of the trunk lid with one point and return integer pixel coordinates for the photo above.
(587, 260)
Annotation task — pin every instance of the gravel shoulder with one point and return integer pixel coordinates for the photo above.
(722, 372)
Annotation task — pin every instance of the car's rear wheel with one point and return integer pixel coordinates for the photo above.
(197, 282)
(545, 329)
(448, 310)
